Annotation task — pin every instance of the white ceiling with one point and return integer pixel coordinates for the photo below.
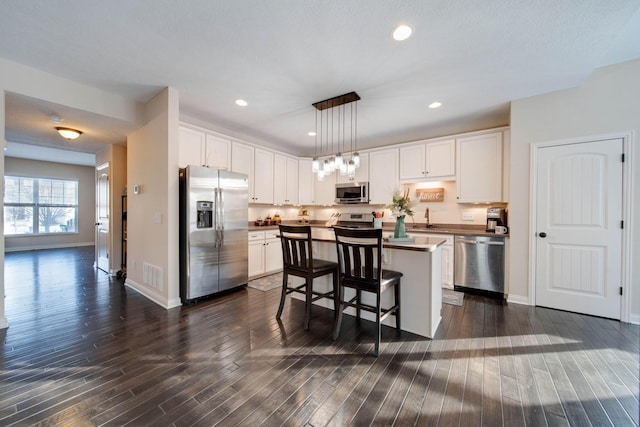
(282, 56)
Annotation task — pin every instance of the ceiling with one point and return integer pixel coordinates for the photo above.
(282, 56)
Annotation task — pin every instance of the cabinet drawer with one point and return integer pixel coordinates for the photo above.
(256, 235)
(271, 234)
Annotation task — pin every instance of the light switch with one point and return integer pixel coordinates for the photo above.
(157, 218)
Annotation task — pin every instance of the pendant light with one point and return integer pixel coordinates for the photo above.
(334, 128)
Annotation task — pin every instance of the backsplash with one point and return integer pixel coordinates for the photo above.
(445, 212)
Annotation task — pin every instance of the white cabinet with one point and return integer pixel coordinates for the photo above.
(383, 176)
(263, 177)
(255, 163)
(285, 180)
(272, 252)
(306, 181)
(325, 190)
(479, 168)
(362, 173)
(191, 147)
(217, 152)
(426, 161)
(447, 256)
(197, 147)
(256, 253)
(242, 162)
(265, 253)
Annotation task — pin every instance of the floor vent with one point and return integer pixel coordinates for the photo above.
(152, 275)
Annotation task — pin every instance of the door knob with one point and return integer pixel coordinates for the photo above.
(543, 234)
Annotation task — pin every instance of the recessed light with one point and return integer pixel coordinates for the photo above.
(435, 104)
(312, 133)
(241, 102)
(402, 32)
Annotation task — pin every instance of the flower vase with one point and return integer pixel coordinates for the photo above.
(400, 230)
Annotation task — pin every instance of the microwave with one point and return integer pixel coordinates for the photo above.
(353, 192)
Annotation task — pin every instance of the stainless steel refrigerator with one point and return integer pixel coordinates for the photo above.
(213, 231)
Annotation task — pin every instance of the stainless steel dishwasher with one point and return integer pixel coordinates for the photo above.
(479, 263)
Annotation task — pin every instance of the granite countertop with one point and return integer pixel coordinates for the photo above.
(448, 229)
(421, 244)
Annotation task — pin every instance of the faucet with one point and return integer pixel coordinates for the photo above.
(426, 215)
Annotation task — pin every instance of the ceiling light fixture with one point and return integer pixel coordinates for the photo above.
(330, 115)
(241, 102)
(68, 133)
(435, 104)
(402, 32)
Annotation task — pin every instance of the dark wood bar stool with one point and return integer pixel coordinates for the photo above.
(360, 263)
(297, 257)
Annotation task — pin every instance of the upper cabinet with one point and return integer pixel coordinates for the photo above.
(217, 152)
(325, 190)
(428, 160)
(242, 162)
(362, 173)
(479, 168)
(254, 162)
(198, 147)
(263, 177)
(306, 187)
(285, 180)
(383, 176)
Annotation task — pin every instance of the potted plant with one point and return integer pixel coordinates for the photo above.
(400, 208)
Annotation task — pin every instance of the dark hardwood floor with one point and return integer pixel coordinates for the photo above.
(82, 349)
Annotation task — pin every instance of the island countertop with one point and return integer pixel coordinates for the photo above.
(423, 244)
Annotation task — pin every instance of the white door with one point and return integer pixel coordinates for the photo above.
(578, 227)
(102, 217)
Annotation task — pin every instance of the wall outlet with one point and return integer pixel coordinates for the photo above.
(467, 216)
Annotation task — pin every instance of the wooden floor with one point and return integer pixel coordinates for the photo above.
(82, 349)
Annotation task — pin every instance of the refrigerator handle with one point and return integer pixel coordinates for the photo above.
(220, 219)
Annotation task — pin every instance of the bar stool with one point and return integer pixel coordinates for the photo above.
(297, 257)
(360, 261)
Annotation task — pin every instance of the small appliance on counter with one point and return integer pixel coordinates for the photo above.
(496, 217)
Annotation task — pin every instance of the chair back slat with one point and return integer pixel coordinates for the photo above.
(359, 253)
(296, 246)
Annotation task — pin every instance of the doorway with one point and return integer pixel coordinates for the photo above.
(578, 211)
(102, 217)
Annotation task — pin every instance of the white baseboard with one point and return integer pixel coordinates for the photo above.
(39, 247)
(634, 319)
(3, 323)
(158, 299)
(518, 299)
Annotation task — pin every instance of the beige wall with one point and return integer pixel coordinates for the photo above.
(608, 103)
(153, 214)
(31, 82)
(85, 175)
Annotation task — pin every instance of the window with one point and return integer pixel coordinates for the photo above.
(40, 206)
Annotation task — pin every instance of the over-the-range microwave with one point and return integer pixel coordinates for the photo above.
(353, 192)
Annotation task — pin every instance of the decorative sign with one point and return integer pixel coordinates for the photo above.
(430, 194)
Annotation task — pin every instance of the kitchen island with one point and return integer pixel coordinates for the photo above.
(420, 290)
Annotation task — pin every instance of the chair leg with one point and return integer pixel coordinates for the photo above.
(358, 295)
(285, 279)
(336, 296)
(396, 289)
(378, 325)
(338, 319)
(307, 304)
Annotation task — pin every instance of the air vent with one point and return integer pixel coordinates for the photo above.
(152, 275)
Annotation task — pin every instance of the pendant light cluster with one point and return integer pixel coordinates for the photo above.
(336, 127)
